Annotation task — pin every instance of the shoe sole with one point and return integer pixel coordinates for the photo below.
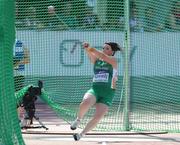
(73, 128)
(75, 137)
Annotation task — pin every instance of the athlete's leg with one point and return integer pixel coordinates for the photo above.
(88, 101)
(101, 110)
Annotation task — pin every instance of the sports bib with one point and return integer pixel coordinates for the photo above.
(102, 77)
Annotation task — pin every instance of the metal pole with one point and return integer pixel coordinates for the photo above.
(126, 67)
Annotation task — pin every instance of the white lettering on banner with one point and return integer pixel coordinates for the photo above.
(101, 77)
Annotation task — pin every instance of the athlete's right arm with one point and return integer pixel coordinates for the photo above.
(91, 56)
(96, 54)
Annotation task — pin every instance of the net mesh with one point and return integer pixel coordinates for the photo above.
(10, 133)
(53, 33)
(154, 65)
(49, 34)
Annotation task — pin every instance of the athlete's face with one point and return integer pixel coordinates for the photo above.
(107, 49)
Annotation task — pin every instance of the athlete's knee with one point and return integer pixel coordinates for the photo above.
(89, 99)
(101, 110)
(85, 102)
(97, 118)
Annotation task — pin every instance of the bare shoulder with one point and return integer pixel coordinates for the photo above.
(111, 60)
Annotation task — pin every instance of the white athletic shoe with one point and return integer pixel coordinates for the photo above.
(77, 136)
(75, 124)
(23, 123)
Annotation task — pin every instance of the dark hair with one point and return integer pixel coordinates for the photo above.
(114, 46)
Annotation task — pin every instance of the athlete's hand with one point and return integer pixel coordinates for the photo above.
(85, 45)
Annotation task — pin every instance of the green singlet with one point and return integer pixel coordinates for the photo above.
(102, 79)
